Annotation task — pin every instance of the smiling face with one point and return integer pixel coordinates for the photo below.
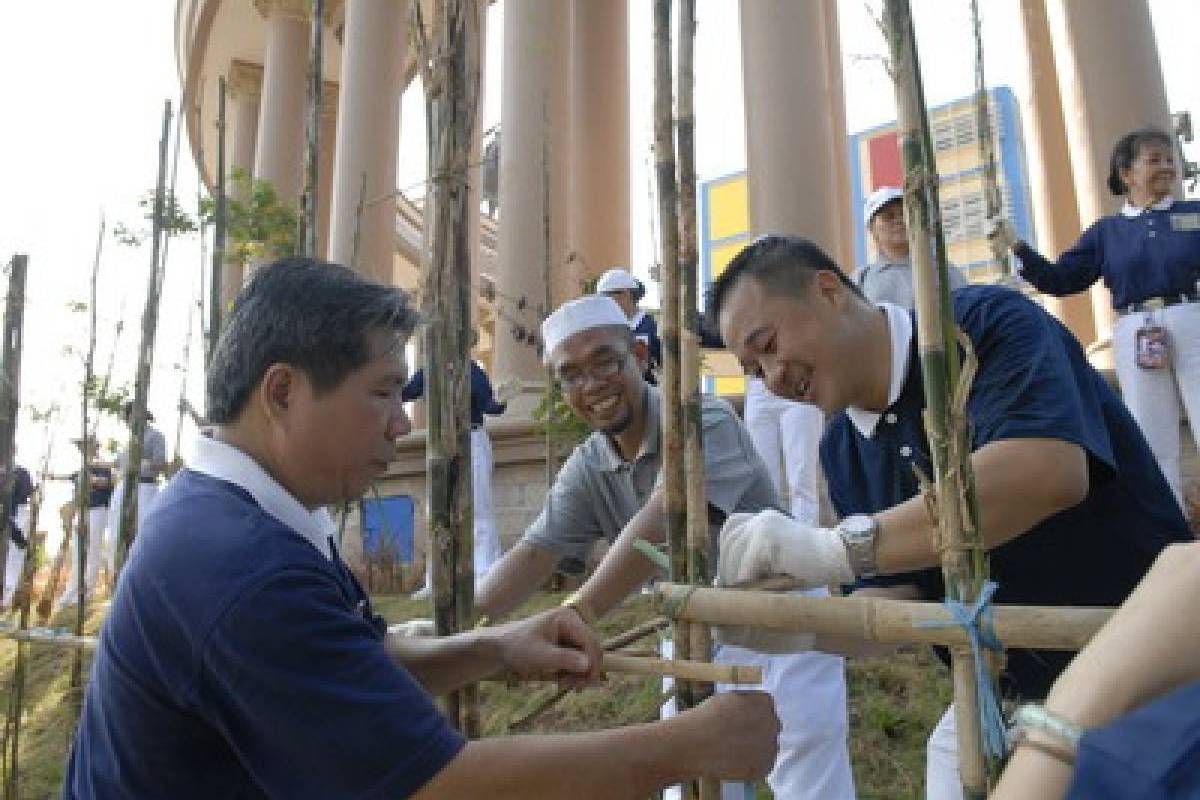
(889, 231)
(333, 444)
(600, 370)
(801, 345)
(1152, 175)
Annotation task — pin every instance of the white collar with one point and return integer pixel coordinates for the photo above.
(227, 463)
(900, 335)
(637, 319)
(1130, 210)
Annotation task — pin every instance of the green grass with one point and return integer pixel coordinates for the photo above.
(894, 703)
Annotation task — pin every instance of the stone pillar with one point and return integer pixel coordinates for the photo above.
(836, 103)
(374, 49)
(1051, 185)
(1112, 83)
(279, 155)
(533, 189)
(599, 135)
(242, 112)
(326, 148)
(790, 152)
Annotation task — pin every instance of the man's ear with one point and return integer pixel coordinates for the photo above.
(277, 389)
(641, 351)
(829, 286)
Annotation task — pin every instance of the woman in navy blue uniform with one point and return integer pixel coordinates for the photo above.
(628, 291)
(1149, 257)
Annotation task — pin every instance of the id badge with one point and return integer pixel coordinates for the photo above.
(1153, 346)
(1185, 222)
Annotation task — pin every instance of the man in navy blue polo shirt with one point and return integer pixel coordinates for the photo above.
(1073, 505)
(241, 658)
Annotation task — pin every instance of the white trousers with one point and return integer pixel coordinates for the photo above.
(15, 561)
(942, 779)
(97, 517)
(146, 494)
(809, 691)
(1156, 397)
(786, 435)
(487, 538)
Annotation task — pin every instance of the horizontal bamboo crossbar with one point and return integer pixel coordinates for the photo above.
(878, 619)
(685, 670)
(48, 636)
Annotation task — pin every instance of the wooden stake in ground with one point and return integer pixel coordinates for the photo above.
(452, 103)
(10, 389)
(141, 385)
(964, 564)
(215, 312)
(312, 132)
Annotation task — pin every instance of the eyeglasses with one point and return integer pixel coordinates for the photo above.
(573, 378)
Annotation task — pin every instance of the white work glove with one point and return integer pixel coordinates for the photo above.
(1001, 233)
(755, 546)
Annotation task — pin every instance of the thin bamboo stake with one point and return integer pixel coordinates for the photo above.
(10, 374)
(312, 133)
(987, 150)
(683, 670)
(964, 566)
(452, 103)
(878, 619)
(220, 212)
(141, 385)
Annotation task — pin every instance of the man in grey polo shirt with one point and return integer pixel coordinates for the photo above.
(610, 489)
(888, 279)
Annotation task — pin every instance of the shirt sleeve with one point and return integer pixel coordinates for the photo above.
(300, 685)
(567, 523)
(482, 395)
(1075, 270)
(732, 467)
(414, 388)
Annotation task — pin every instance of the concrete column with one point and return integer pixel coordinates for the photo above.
(279, 155)
(533, 188)
(374, 50)
(600, 135)
(836, 103)
(242, 111)
(326, 148)
(1051, 184)
(1111, 81)
(790, 152)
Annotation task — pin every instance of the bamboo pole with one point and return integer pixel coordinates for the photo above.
(220, 212)
(312, 132)
(10, 374)
(964, 565)
(141, 385)
(683, 670)
(987, 150)
(878, 619)
(452, 97)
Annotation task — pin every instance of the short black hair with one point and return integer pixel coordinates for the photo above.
(1126, 150)
(785, 264)
(314, 315)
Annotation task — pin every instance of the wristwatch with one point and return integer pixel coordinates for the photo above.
(858, 532)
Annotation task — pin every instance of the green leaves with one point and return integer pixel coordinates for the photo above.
(258, 223)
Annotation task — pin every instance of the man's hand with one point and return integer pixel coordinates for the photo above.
(755, 546)
(1000, 233)
(553, 645)
(737, 733)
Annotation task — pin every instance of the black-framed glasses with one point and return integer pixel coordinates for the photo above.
(573, 378)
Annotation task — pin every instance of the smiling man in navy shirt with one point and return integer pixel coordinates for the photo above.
(1072, 504)
(241, 658)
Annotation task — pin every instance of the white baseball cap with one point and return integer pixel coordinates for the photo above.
(616, 280)
(880, 198)
(580, 314)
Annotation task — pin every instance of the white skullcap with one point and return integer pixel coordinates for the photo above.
(580, 314)
(878, 199)
(615, 280)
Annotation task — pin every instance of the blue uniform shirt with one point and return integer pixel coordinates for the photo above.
(1153, 254)
(1033, 382)
(645, 329)
(482, 399)
(1152, 753)
(237, 660)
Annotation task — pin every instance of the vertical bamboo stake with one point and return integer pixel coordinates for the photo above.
(963, 563)
(312, 133)
(219, 223)
(141, 385)
(452, 98)
(698, 543)
(987, 151)
(21, 600)
(10, 374)
(83, 484)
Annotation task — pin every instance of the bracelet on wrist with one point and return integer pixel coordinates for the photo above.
(1043, 730)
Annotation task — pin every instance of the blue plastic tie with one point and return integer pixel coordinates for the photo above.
(976, 620)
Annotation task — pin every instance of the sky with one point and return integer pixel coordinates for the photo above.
(85, 97)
